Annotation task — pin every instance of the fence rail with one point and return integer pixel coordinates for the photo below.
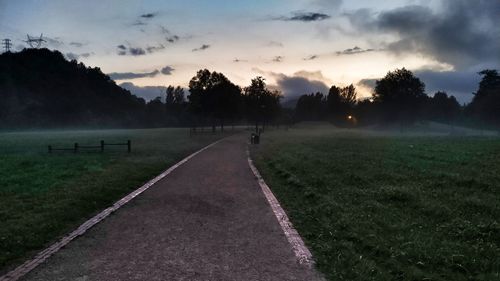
(76, 147)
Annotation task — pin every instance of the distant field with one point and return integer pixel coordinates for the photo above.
(389, 207)
(43, 196)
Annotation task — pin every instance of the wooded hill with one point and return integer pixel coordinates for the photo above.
(40, 88)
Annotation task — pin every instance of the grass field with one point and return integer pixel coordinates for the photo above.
(389, 207)
(43, 196)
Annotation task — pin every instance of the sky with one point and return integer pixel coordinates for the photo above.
(298, 46)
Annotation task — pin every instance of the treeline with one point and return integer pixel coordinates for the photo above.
(39, 88)
(400, 98)
(215, 101)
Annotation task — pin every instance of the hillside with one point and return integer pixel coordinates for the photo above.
(39, 88)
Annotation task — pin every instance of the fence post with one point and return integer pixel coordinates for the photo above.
(129, 144)
(76, 147)
(102, 146)
(50, 148)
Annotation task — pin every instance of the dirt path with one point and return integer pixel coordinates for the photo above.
(207, 220)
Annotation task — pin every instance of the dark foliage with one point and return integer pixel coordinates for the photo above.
(401, 96)
(261, 104)
(485, 105)
(443, 108)
(40, 88)
(311, 107)
(214, 98)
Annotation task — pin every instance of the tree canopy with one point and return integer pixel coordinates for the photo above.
(401, 95)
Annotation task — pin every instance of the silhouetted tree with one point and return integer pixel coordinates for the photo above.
(310, 107)
(341, 102)
(155, 112)
(214, 96)
(485, 105)
(443, 108)
(262, 105)
(401, 96)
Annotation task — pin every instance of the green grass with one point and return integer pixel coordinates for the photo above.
(43, 196)
(381, 207)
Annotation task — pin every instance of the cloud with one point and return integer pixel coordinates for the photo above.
(152, 49)
(300, 83)
(132, 75)
(203, 47)
(167, 70)
(311, 57)
(172, 39)
(148, 15)
(369, 83)
(137, 51)
(53, 42)
(169, 37)
(460, 84)
(148, 92)
(304, 17)
(76, 44)
(275, 44)
(463, 33)
(278, 59)
(355, 50)
(73, 56)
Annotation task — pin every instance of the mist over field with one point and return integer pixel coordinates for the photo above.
(249, 140)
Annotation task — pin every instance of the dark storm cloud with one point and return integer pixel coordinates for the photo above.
(148, 92)
(464, 33)
(132, 75)
(296, 85)
(167, 70)
(304, 17)
(353, 51)
(203, 47)
(460, 84)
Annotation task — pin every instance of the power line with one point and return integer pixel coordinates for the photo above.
(7, 44)
(35, 42)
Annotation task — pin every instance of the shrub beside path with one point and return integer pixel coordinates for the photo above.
(207, 220)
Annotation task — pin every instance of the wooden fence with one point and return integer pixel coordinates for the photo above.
(76, 148)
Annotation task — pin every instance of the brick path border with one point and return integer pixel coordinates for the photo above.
(302, 253)
(42, 256)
